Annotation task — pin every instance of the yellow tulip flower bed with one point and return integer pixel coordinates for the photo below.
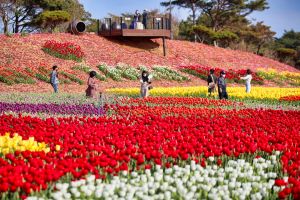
(16, 143)
(257, 93)
(291, 78)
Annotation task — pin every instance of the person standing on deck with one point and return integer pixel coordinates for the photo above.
(136, 18)
(145, 16)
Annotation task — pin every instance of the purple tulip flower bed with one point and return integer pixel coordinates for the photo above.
(64, 109)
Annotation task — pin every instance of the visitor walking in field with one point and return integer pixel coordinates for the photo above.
(145, 84)
(222, 86)
(211, 82)
(248, 79)
(91, 91)
(54, 78)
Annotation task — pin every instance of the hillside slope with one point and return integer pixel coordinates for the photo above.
(26, 51)
(20, 53)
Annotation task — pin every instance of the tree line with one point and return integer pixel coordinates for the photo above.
(19, 16)
(224, 23)
(221, 23)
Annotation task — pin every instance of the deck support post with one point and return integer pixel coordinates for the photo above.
(98, 26)
(164, 45)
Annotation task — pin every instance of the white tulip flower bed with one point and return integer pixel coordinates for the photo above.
(238, 179)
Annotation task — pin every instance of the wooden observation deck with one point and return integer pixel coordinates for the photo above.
(156, 27)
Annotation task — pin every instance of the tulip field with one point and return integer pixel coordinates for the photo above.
(180, 143)
(176, 144)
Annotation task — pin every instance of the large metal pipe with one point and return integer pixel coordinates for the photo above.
(77, 27)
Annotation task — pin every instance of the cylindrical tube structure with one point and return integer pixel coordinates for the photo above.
(77, 27)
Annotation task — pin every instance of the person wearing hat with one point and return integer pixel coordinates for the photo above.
(222, 86)
(211, 82)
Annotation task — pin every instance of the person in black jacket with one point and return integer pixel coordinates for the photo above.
(211, 82)
(145, 16)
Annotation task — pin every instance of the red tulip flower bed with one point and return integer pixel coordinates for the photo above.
(290, 98)
(180, 101)
(231, 75)
(138, 137)
(67, 50)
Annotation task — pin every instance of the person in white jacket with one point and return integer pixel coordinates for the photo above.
(248, 79)
(145, 84)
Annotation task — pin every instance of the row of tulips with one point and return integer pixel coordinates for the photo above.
(292, 78)
(257, 93)
(290, 98)
(66, 50)
(44, 98)
(133, 141)
(16, 143)
(178, 102)
(232, 75)
(238, 178)
(51, 108)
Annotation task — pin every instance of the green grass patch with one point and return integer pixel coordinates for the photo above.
(42, 77)
(82, 68)
(87, 70)
(194, 73)
(113, 73)
(19, 78)
(6, 80)
(72, 78)
(128, 72)
(169, 74)
(29, 71)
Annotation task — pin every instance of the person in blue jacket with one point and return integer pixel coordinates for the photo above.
(54, 79)
(222, 86)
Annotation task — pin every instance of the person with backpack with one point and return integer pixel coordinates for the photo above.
(222, 86)
(211, 82)
(248, 79)
(54, 78)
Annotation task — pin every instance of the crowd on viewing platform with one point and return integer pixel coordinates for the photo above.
(139, 21)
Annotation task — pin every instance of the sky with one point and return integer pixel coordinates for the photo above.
(282, 14)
